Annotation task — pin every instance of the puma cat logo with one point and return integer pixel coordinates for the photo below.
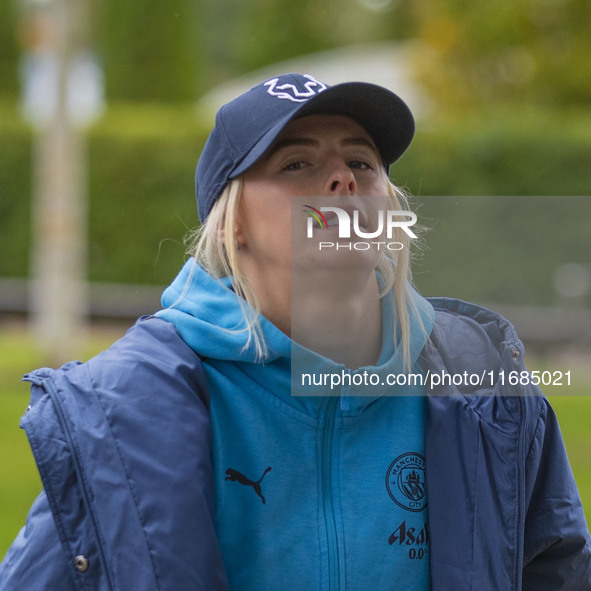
(235, 476)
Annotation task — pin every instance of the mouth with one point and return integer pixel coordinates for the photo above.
(332, 219)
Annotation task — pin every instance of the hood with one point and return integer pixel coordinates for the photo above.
(208, 316)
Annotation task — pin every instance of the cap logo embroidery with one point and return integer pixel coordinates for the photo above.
(291, 93)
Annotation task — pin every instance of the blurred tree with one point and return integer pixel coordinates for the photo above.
(174, 51)
(535, 51)
(276, 30)
(468, 51)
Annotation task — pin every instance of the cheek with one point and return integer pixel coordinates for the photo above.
(375, 185)
(264, 217)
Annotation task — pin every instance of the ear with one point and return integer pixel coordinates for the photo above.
(239, 240)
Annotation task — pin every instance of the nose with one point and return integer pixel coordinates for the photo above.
(340, 180)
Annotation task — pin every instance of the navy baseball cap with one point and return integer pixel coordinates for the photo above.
(246, 127)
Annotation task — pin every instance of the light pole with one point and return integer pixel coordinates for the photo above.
(58, 294)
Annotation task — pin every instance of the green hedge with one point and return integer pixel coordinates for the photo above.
(142, 160)
(501, 249)
(9, 50)
(15, 192)
(150, 50)
(500, 152)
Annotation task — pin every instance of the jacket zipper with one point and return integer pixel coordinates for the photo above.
(521, 494)
(329, 419)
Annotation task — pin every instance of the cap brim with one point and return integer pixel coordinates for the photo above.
(383, 114)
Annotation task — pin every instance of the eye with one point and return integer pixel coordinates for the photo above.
(360, 165)
(295, 165)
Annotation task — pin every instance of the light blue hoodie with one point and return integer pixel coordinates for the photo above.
(312, 492)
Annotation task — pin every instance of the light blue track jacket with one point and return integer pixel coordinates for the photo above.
(132, 471)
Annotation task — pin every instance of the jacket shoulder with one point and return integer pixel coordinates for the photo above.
(471, 338)
(474, 332)
(481, 349)
(151, 354)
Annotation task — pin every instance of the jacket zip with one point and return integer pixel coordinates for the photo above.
(328, 424)
(521, 452)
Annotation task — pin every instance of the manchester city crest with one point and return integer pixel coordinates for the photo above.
(405, 482)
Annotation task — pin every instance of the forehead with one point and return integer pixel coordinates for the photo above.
(320, 127)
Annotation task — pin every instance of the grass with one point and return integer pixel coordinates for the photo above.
(573, 408)
(20, 484)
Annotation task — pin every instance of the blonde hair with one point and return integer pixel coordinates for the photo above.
(214, 248)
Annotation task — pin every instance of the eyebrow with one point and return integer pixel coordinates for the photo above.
(298, 141)
(357, 141)
(305, 141)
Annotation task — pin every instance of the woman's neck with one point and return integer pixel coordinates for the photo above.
(339, 317)
(335, 314)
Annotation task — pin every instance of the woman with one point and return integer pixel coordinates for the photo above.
(185, 456)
